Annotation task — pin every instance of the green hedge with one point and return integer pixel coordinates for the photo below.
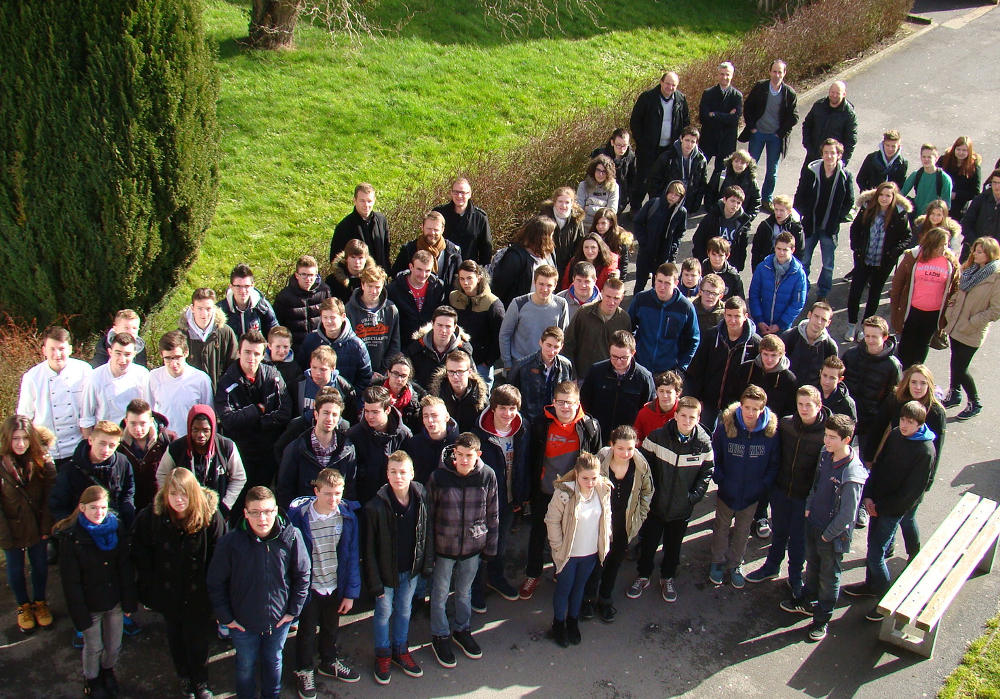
(108, 153)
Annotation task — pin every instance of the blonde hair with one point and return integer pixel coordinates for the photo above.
(202, 502)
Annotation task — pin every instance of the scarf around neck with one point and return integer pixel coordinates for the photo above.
(434, 250)
(976, 274)
(105, 534)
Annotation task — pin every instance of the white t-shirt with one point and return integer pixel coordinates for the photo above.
(588, 525)
(106, 397)
(174, 397)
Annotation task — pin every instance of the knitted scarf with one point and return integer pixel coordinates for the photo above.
(976, 274)
(105, 534)
(434, 250)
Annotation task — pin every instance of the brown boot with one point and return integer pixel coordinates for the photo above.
(42, 614)
(25, 619)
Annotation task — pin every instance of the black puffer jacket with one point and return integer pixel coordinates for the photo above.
(870, 378)
(763, 238)
(380, 559)
(470, 231)
(779, 384)
(298, 309)
(801, 445)
(236, 402)
(825, 121)
(372, 451)
(463, 409)
(681, 471)
(94, 580)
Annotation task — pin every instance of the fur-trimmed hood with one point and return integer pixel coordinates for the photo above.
(481, 300)
(729, 421)
(953, 227)
(901, 203)
(425, 330)
(548, 208)
(338, 269)
(439, 378)
(186, 321)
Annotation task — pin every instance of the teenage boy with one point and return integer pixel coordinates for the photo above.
(505, 440)
(616, 389)
(211, 342)
(374, 318)
(436, 432)
(126, 321)
(143, 443)
(434, 342)
(96, 461)
(871, 370)
(885, 164)
(708, 304)
(322, 447)
(258, 582)
(52, 392)
(297, 305)
(982, 218)
(416, 293)
(245, 307)
(681, 462)
(899, 477)
(112, 386)
(833, 390)
(717, 262)
(721, 353)
(746, 450)
(727, 219)
(335, 330)
(558, 436)
(658, 228)
(665, 323)
(465, 224)
(829, 514)
(279, 355)
(365, 224)
(322, 373)
(801, 443)
(176, 387)
(770, 371)
(461, 388)
(379, 433)
(464, 512)
(809, 344)
(661, 410)
(778, 288)
(397, 553)
(683, 161)
(537, 375)
(783, 219)
(253, 408)
(329, 529)
(590, 331)
(690, 277)
(928, 183)
(527, 317)
(346, 269)
(582, 290)
(213, 459)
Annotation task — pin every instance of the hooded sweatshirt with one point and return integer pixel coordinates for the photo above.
(779, 383)
(102, 352)
(746, 461)
(377, 328)
(561, 448)
(901, 472)
(353, 361)
(807, 357)
(258, 315)
(733, 228)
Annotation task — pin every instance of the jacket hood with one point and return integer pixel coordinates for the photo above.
(901, 203)
(721, 207)
(439, 381)
(818, 426)
(423, 334)
(793, 217)
(888, 349)
(923, 434)
(550, 412)
(949, 224)
(355, 301)
(749, 328)
(783, 364)
(448, 462)
(823, 336)
(575, 214)
(567, 483)
(207, 412)
(486, 424)
(338, 270)
(481, 300)
(187, 325)
(140, 344)
(255, 298)
(732, 420)
(282, 529)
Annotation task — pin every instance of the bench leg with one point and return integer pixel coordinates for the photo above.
(986, 564)
(897, 633)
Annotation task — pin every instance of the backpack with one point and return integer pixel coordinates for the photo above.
(938, 185)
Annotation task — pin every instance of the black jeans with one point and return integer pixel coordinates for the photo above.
(914, 341)
(320, 610)
(672, 534)
(875, 277)
(601, 583)
(188, 637)
(961, 358)
(538, 536)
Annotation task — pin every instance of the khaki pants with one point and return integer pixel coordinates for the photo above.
(730, 533)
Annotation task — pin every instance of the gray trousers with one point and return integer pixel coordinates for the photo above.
(729, 545)
(102, 642)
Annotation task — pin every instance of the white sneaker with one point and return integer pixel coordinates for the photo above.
(851, 333)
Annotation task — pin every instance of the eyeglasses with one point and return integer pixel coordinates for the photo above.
(399, 375)
(460, 193)
(565, 403)
(600, 170)
(710, 292)
(457, 372)
(242, 287)
(262, 513)
(620, 357)
(306, 275)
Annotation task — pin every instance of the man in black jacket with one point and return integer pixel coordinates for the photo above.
(719, 112)
(416, 293)
(886, 164)
(365, 224)
(380, 432)
(436, 432)
(656, 122)
(770, 112)
(685, 162)
(466, 225)
(446, 256)
(253, 408)
(616, 388)
(297, 305)
(830, 117)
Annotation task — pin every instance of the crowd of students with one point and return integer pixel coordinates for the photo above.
(354, 443)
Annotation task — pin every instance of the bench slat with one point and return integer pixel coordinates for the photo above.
(928, 552)
(945, 563)
(932, 613)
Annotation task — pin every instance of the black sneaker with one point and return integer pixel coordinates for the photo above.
(107, 676)
(305, 684)
(607, 612)
(468, 644)
(203, 691)
(587, 610)
(383, 669)
(406, 663)
(858, 590)
(796, 605)
(441, 645)
(340, 670)
(503, 588)
(954, 398)
(971, 410)
(817, 632)
(478, 601)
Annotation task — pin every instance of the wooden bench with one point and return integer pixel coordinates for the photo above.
(965, 542)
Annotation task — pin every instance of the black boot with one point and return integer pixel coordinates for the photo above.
(107, 677)
(559, 633)
(573, 631)
(607, 611)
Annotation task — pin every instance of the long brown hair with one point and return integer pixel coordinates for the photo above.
(903, 394)
(965, 168)
(871, 211)
(201, 501)
(617, 237)
(34, 458)
(536, 235)
(603, 258)
(933, 243)
(92, 493)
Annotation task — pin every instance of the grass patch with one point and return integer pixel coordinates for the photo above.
(978, 675)
(300, 128)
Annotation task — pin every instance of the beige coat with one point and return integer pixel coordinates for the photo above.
(969, 313)
(560, 519)
(642, 490)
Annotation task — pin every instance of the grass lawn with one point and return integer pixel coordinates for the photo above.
(979, 673)
(300, 128)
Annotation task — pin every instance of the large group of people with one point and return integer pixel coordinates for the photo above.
(370, 438)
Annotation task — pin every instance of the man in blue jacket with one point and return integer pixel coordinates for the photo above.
(747, 458)
(258, 581)
(329, 528)
(665, 323)
(778, 288)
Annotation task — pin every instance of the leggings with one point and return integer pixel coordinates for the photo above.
(961, 357)
(875, 277)
(914, 341)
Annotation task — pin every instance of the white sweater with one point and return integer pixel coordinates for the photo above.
(107, 397)
(174, 397)
(54, 401)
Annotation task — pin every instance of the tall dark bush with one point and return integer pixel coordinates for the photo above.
(108, 153)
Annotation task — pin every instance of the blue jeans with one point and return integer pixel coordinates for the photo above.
(771, 141)
(570, 587)
(823, 569)
(266, 647)
(881, 532)
(464, 572)
(911, 533)
(486, 372)
(788, 530)
(393, 607)
(827, 241)
(38, 558)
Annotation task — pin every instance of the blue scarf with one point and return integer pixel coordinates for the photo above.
(105, 534)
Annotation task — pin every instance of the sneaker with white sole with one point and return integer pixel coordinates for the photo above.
(850, 335)
(817, 632)
(736, 578)
(716, 574)
(441, 645)
(797, 605)
(667, 590)
(528, 588)
(762, 528)
(761, 574)
(305, 684)
(339, 670)
(638, 585)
